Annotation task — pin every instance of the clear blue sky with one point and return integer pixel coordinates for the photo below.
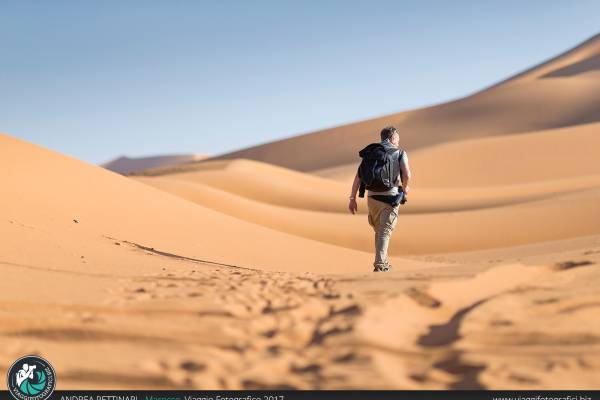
(97, 79)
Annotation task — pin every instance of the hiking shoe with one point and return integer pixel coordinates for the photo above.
(383, 268)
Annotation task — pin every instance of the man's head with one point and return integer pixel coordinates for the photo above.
(390, 133)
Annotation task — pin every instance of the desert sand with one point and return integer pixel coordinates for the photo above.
(246, 271)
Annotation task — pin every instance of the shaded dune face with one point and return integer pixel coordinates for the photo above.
(591, 64)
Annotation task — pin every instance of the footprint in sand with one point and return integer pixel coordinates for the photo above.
(565, 265)
(182, 373)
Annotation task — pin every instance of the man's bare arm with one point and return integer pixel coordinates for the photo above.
(352, 206)
(405, 168)
(355, 186)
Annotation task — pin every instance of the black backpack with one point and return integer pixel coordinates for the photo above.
(379, 169)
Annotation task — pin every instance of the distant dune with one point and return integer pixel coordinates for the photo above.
(260, 181)
(126, 165)
(499, 160)
(562, 92)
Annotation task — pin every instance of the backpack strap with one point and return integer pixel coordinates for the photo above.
(400, 155)
(361, 189)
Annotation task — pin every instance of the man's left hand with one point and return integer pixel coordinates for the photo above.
(352, 206)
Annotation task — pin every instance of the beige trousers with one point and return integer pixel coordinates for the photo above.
(383, 218)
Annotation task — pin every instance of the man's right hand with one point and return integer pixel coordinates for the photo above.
(352, 206)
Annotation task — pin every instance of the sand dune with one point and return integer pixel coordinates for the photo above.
(501, 160)
(540, 183)
(194, 187)
(127, 165)
(528, 220)
(208, 274)
(580, 59)
(41, 200)
(177, 324)
(504, 160)
(527, 167)
(533, 101)
(263, 182)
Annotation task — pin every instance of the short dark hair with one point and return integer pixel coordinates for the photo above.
(387, 132)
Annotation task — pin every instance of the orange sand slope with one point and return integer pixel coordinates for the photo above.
(500, 160)
(259, 181)
(564, 91)
(531, 161)
(518, 189)
(164, 323)
(42, 198)
(549, 218)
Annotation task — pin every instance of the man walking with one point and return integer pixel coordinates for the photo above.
(383, 168)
